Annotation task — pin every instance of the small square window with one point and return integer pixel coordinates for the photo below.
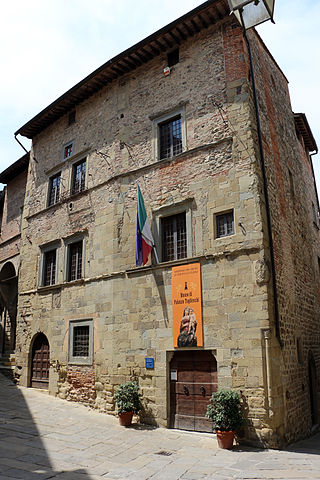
(225, 224)
(174, 237)
(81, 342)
(54, 189)
(170, 136)
(74, 267)
(71, 117)
(78, 177)
(68, 150)
(49, 267)
(173, 57)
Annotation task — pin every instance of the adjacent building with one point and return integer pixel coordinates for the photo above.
(11, 208)
(175, 114)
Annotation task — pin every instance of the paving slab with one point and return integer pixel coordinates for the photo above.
(43, 437)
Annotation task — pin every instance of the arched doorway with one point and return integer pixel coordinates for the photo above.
(193, 379)
(8, 309)
(40, 358)
(312, 376)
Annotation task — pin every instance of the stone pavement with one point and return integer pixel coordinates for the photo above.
(43, 437)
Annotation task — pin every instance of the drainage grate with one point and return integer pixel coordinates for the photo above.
(164, 452)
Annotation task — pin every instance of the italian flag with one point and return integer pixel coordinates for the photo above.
(144, 237)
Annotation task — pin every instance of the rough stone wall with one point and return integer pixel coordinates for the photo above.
(131, 307)
(10, 225)
(296, 241)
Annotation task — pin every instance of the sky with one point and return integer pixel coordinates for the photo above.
(46, 47)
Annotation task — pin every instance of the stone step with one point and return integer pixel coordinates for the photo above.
(8, 361)
(7, 371)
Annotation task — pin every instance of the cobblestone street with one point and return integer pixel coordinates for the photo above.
(44, 437)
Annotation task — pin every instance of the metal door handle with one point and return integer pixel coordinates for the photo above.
(185, 389)
(203, 391)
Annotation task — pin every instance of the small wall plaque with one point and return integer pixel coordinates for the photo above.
(174, 375)
(149, 363)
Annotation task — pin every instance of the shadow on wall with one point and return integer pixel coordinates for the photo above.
(22, 451)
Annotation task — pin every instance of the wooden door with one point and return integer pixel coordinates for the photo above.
(193, 379)
(40, 362)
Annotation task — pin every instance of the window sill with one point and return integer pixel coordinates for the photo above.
(74, 282)
(46, 288)
(225, 236)
(58, 286)
(80, 363)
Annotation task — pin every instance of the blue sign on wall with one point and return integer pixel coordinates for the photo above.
(149, 362)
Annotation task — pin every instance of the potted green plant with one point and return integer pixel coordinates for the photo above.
(127, 399)
(225, 412)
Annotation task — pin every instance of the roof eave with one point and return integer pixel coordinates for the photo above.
(303, 127)
(15, 169)
(163, 40)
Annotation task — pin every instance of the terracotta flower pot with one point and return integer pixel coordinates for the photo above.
(125, 418)
(225, 439)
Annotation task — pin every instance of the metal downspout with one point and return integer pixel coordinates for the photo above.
(266, 196)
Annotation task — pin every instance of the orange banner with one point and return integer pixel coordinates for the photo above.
(187, 306)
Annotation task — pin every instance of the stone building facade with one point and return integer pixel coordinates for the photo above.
(89, 319)
(11, 206)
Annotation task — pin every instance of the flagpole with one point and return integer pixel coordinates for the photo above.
(156, 254)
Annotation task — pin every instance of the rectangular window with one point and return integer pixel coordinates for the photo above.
(173, 57)
(174, 237)
(75, 261)
(225, 224)
(80, 346)
(78, 176)
(170, 136)
(81, 342)
(68, 150)
(49, 267)
(54, 189)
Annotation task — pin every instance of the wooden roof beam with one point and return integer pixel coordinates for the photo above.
(195, 26)
(124, 67)
(162, 47)
(141, 57)
(131, 64)
(220, 12)
(182, 35)
(117, 70)
(189, 30)
(202, 21)
(167, 42)
(147, 54)
(134, 60)
(155, 50)
(174, 37)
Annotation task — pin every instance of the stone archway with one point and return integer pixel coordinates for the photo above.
(8, 308)
(40, 361)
